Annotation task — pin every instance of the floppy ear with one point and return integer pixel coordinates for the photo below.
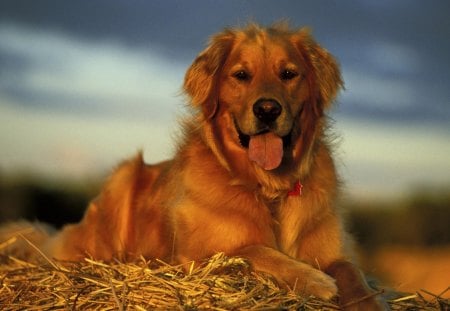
(326, 79)
(200, 82)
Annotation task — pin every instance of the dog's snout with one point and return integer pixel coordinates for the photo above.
(267, 110)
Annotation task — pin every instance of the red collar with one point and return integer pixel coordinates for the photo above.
(297, 190)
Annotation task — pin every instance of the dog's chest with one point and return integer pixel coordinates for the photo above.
(290, 220)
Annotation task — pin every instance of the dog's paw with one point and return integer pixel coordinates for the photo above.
(308, 281)
(318, 284)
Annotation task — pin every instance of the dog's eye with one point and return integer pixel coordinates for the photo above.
(241, 75)
(287, 74)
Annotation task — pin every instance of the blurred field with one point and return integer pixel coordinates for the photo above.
(414, 269)
(404, 244)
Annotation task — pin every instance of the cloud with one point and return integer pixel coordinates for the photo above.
(369, 88)
(62, 73)
(76, 107)
(386, 79)
(393, 58)
(388, 159)
(70, 146)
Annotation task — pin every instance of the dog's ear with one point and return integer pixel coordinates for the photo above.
(326, 79)
(200, 82)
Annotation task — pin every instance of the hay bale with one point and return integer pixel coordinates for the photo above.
(221, 283)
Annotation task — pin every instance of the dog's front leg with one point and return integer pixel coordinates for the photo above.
(354, 292)
(289, 272)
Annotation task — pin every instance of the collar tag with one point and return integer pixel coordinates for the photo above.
(297, 190)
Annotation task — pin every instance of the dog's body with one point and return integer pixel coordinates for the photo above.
(253, 175)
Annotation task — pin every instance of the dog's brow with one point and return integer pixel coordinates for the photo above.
(240, 66)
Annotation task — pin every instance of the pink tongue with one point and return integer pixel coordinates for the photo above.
(266, 150)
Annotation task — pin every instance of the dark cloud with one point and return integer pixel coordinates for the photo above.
(439, 115)
(185, 24)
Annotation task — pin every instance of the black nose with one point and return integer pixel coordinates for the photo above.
(267, 110)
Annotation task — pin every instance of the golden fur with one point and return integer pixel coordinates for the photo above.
(211, 197)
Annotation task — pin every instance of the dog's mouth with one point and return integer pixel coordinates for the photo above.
(265, 148)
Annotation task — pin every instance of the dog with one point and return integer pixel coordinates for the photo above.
(253, 174)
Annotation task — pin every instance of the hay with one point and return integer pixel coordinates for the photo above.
(221, 283)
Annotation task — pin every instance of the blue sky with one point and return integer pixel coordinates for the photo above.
(84, 84)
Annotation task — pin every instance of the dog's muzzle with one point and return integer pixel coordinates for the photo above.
(265, 147)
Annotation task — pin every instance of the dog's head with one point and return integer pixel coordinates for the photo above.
(264, 90)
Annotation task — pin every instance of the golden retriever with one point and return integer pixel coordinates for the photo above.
(253, 175)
